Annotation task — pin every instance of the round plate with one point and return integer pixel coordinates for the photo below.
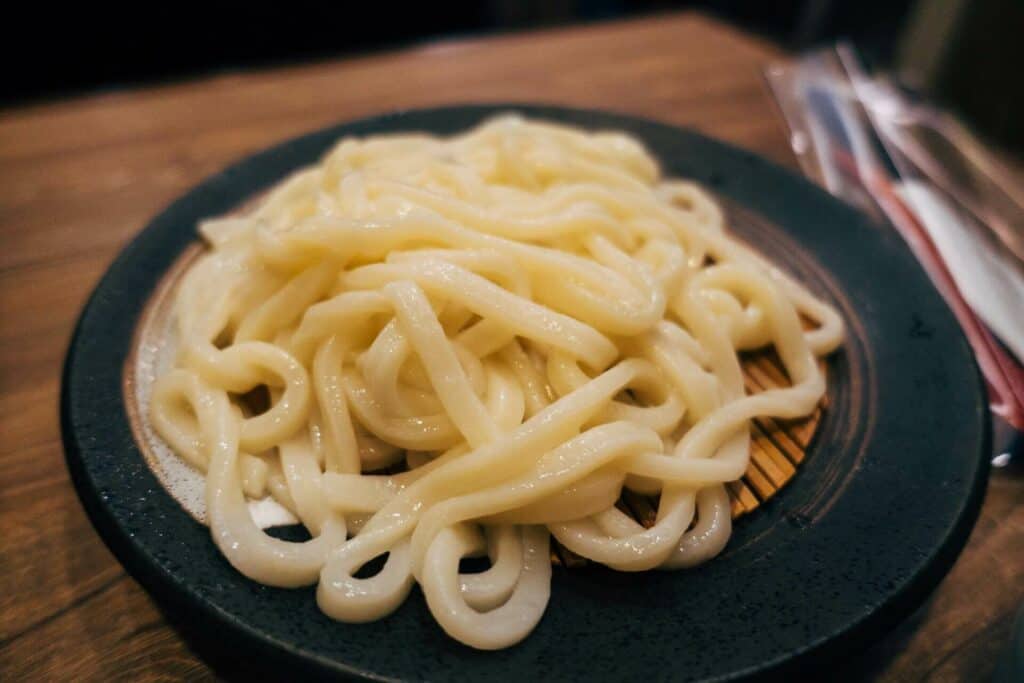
(873, 519)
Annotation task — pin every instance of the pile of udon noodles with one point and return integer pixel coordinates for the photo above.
(528, 318)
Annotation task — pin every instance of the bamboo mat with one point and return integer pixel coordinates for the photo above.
(777, 447)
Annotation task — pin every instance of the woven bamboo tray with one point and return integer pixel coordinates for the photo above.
(777, 447)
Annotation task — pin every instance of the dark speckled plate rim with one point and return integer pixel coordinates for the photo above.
(124, 280)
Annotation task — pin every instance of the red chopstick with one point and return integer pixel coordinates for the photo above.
(1003, 375)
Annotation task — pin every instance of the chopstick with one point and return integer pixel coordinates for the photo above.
(1003, 376)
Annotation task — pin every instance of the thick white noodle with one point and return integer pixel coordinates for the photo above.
(529, 318)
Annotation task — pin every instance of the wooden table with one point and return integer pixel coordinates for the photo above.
(79, 178)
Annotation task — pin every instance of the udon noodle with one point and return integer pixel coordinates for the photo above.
(468, 345)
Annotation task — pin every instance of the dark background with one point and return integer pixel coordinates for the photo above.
(89, 46)
(53, 50)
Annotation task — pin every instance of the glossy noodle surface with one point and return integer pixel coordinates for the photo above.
(466, 346)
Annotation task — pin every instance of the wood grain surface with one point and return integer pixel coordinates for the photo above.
(79, 177)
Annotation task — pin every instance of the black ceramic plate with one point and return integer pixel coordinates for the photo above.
(873, 519)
